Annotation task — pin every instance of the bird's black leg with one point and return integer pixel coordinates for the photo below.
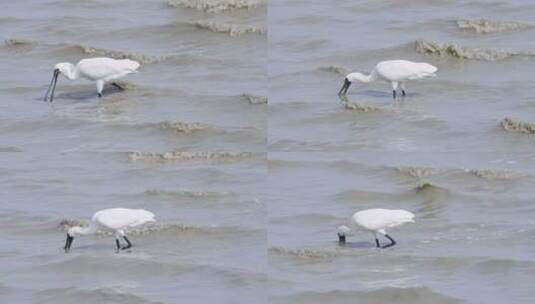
(391, 240)
(394, 94)
(99, 95)
(129, 245)
(118, 245)
(115, 84)
(403, 92)
(377, 243)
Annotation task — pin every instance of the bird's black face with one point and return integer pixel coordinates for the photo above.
(345, 87)
(52, 85)
(68, 243)
(341, 238)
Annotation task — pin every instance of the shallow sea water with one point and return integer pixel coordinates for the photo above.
(248, 194)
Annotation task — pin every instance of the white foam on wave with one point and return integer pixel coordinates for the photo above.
(216, 6)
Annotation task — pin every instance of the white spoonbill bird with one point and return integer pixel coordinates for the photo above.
(396, 72)
(114, 219)
(376, 221)
(100, 70)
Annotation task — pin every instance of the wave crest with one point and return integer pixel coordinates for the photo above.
(335, 69)
(16, 42)
(233, 30)
(457, 51)
(360, 107)
(425, 185)
(484, 26)
(418, 171)
(511, 125)
(188, 156)
(493, 174)
(306, 253)
(186, 193)
(183, 127)
(255, 99)
(216, 6)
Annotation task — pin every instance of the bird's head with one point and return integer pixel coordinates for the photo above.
(342, 232)
(74, 231)
(356, 76)
(71, 233)
(349, 79)
(64, 68)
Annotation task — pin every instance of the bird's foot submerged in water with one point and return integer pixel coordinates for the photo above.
(128, 246)
(392, 242)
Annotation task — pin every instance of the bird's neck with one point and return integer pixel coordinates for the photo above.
(362, 77)
(85, 230)
(71, 72)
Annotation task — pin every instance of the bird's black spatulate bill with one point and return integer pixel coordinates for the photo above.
(52, 85)
(68, 243)
(345, 87)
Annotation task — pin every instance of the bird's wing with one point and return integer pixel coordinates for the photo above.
(120, 218)
(104, 68)
(399, 70)
(375, 219)
(400, 217)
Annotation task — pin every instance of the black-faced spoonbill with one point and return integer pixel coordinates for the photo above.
(376, 221)
(100, 70)
(114, 219)
(397, 72)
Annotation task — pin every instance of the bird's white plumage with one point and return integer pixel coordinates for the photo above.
(100, 70)
(377, 220)
(402, 70)
(106, 69)
(116, 219)
(122, 218)
(397, 72)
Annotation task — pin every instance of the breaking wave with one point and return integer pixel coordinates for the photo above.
(511, 125)
(418, 172)
(335, 69)
(360, 107)
(493, 174)
(188, 156)
(304, 253)
(421, 172)
(234, 30)
(484, 26)
(183, 127)
(255, 99)
(186, 193)
(457, 51)
(216, 6)
(16, 42)
(426, 186)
